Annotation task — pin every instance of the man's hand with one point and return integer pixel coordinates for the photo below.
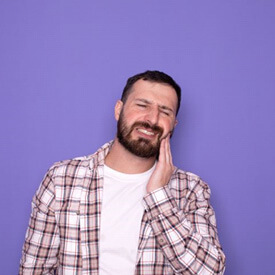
(164, 167)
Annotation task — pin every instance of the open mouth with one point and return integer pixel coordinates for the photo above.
(146, 131)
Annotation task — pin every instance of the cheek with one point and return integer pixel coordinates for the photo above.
(168, 128)
(134, 117)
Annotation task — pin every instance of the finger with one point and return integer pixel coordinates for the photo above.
(167, 149)
(169, 153)
(162, 150)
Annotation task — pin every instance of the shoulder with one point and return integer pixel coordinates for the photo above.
(64, 173)
(62, 181)
(80, 165)
(189, 185)
(72, 167)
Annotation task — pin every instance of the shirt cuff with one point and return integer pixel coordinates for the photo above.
(159, 201)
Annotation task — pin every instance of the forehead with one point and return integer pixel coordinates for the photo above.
(159, 93)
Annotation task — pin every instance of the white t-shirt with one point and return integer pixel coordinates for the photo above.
(122, 211)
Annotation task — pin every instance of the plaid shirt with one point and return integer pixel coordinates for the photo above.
(178, 232)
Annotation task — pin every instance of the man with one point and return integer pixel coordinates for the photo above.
(126, 209)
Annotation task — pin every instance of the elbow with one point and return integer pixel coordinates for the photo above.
(220, 265)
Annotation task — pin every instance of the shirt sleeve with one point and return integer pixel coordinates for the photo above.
(40, 250)
(188, 237)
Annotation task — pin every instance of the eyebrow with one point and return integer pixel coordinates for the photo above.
(163, 107)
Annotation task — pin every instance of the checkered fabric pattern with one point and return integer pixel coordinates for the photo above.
(178, 232)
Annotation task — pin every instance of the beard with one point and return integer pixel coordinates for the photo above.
(140, 147)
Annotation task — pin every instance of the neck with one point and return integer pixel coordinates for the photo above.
(119, 159)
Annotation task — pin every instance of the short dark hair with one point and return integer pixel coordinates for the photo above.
(153, 76)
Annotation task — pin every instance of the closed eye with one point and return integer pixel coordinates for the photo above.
(165, 112)
(141, 105)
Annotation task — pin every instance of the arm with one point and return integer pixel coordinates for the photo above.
(188, 238)
(41, 245)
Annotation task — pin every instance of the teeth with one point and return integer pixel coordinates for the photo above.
(146, 132)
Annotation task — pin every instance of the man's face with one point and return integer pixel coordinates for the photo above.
(148, 116)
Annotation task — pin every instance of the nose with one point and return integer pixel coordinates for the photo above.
(152, 116)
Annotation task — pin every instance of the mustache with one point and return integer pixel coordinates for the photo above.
(155, 128)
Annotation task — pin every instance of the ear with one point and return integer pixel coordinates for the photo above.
(118, 109)
(175, 123)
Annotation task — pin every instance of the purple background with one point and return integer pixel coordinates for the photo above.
(63, 65)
